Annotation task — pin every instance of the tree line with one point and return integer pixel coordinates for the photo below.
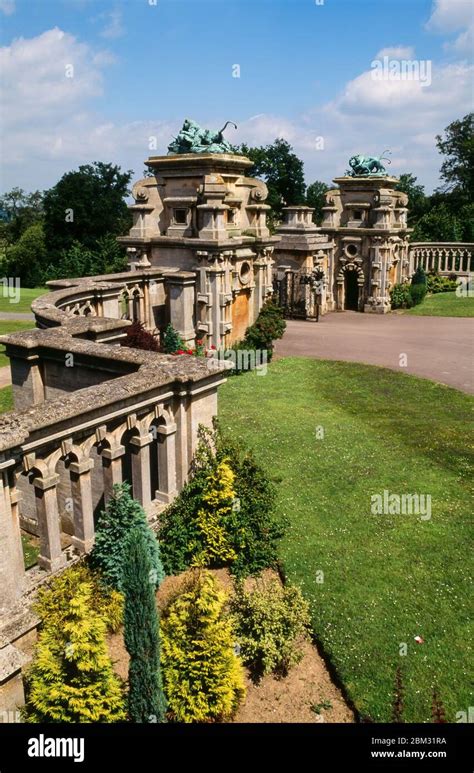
(70, 230)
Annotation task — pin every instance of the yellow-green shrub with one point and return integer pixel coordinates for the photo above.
(71, 678)
(203, 677)
(270, 621)
(218, 498)
(54, 598)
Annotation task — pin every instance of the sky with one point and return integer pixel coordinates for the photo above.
(113, 80)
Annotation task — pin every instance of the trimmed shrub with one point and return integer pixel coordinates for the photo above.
(441, 284)
(172, 341)
(203, 676)
(120, 516)
(400, 296)
(267, 328)
(72, 679)
(252, 530)
(146, 701)
(419, 277)
(417, 292)
(138, 337)
(271, 621)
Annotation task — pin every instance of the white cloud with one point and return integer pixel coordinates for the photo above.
(113, 27)
(395, 52)
(450, 16)
(7, 7)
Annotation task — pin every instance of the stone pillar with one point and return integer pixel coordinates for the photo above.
(112, 469)
(12, 568)
(27, 380)
(166, 463)
(182, 439)
(140, 447)
(182, 299)
(51, 556)
(83, 511)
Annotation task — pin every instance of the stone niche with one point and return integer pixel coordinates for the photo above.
(201, 220)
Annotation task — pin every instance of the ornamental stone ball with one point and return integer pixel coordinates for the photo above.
(363, 166)
(193, 139)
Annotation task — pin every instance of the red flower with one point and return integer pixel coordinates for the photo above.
(190, 351)
(199, 343)
(180, 351)
(213, 347)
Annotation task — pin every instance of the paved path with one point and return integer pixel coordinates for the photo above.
(16, 316)
(438, 348)
(5, 377)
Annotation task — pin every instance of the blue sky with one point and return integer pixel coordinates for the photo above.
(139, 68)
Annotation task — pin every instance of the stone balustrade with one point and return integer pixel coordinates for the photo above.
(446, 258)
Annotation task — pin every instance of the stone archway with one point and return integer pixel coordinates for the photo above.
(350, 287)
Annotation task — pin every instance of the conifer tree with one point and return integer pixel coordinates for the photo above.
(146, 701)
(72, 679)
(203, 677)
(172, 340)
(121, 515)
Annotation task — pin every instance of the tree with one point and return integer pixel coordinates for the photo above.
(214, 516)
(457, 170)
(282, 171)
(316, 198)
(146, 701)
(417, 200)
(27, 258)
(172, 341)
(85, 205)
(438, 224)
(72, 679)
(106, 257)
(203, 676)
(20, 210)
(122, 514)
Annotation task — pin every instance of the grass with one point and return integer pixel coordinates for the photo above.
(386, 578)
(443, 305)
(10, 327)
(31, 549)
(6, 399)
(27, 296)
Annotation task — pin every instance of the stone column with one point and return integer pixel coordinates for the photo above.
(166, 463)
(112, 469)
(12, 569)
(83, 510)
(182, 300)
(140, 447)
(51, 556)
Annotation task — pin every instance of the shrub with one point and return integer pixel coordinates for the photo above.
(146, 701)
(270, 623)
(400, 296)
(214, 518)
(121, 514)
(417, 292)
(172, 341)
(419, 277)
(251, 529)
(53, 599)
(203, 676)
(441, 284)
(72, 679)
(138, 337)
(268, 326)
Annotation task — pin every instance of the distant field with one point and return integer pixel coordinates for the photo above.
(444, 305)
(11, 327)
(27, 295)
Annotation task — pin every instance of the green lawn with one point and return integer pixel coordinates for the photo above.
(387, 578)
(444, 305)
(27, 295)
(11, 327)
(6, 399)
(30, 547)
